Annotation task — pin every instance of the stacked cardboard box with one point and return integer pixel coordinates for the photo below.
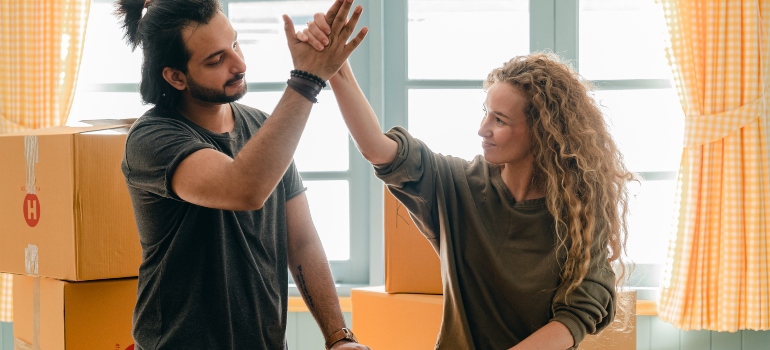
(67, 219)
(406, 312)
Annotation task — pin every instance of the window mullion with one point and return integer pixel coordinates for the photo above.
(566, 28)
(542, 25)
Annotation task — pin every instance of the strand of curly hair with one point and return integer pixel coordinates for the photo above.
(576, 163)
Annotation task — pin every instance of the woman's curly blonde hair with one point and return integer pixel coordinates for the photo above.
(576, 162)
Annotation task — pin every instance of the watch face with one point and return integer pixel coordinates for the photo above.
(349, 335)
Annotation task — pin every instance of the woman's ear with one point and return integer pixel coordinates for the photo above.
(175, 78)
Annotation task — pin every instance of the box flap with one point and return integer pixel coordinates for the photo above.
(64, 130)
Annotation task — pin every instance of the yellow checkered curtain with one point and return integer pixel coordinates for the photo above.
(41, 42)
(717, 275)
(6, 301)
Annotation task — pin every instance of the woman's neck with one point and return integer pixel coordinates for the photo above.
(520, 182)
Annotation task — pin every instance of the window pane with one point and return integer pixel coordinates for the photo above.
(622, 39)
(447, 128)
(329, 206)
(465, 39)
(648, 126)
(105, 105)
(324, 143)
(650, 221)
(261, 36)
(106, 56)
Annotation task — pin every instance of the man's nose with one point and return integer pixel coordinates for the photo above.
(239, 65)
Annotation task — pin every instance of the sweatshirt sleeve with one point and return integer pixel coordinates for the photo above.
(591, 306)
(411, 178)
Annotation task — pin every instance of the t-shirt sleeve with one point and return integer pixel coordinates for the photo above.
(154, 150)
(591, 306)
(292, 182)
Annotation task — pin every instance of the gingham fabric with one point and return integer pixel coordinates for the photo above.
(6, 298)
(41, 42)
(717, 274)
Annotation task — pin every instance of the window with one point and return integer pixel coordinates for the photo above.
(629, 67)
(419, 52)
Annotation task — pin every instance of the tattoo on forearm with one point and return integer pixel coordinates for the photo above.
(303, 288)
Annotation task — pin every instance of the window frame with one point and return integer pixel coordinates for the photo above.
(554, 26)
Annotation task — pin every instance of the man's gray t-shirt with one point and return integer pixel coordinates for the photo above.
(209, 278)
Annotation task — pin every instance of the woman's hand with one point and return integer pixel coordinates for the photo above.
(318, 30)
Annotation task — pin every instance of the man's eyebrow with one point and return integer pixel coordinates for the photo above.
(213, 55)
(220, 51)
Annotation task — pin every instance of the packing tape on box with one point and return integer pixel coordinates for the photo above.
(30, 263)
(20, 344)
(30, 153)
(31, 253)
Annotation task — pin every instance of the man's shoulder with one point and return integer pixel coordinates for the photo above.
(250, 112)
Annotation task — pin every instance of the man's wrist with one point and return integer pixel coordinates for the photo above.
(342, 335)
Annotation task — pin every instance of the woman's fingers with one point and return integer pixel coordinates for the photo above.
(310, 38)
(318, 35)
(320, 20)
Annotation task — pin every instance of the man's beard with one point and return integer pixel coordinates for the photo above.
(207, 94)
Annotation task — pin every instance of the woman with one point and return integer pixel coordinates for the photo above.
(526, 232)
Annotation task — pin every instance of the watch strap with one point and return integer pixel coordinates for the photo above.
(340, 335)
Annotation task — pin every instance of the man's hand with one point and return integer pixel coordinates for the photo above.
(326, 63)
(349, 345)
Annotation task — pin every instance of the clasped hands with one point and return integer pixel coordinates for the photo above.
(333, 28)
(318, 31)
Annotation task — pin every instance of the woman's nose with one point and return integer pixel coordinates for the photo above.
(483, 128)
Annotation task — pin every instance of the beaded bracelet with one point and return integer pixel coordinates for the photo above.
(306, 75)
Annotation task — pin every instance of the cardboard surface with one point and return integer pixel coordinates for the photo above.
(386, 321)
(411, 263)
(76, 218)
(73, 315)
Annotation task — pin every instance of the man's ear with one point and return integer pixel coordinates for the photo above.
(175, 77)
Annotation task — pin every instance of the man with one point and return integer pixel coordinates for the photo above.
(219, 204)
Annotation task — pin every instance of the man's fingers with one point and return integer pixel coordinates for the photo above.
(320, 21)
(288, 28)
(341, 17)
(329, 18)
(353, 44)
(351, 24)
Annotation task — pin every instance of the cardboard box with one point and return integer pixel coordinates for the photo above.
(411, 264)
(65, 212)
(91, 315)
(386, 321)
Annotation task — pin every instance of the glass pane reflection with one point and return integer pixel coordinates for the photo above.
(465, 39)
(261, 35)
(612, 45)
(329, 206)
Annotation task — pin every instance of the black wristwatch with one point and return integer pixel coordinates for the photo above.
(340, 335)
